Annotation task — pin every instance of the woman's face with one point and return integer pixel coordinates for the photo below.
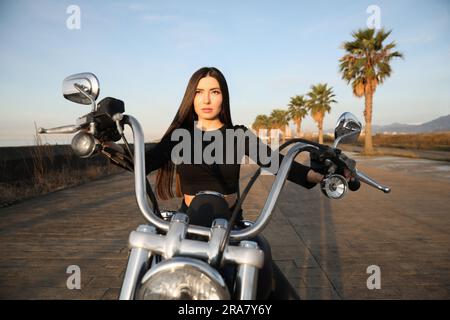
(208, 99)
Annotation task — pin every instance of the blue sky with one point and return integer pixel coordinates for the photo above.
(145, 51)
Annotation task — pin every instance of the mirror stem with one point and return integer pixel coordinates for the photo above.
(338, 139)
(80, 89)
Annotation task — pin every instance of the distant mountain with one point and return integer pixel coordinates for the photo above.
(439, 124)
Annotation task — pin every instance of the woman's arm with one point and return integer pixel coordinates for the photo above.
(299, 173)
(157, 155)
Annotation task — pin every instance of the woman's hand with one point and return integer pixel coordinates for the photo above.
(348, 175)
(314, 177)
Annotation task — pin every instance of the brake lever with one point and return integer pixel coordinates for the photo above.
(368, 180)
(60, 130)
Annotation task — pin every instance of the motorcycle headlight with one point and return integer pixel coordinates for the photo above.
(84, 145)
(182, 279)
(334, 187)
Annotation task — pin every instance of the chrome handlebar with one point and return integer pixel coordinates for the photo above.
(238, 235)
(282, 174)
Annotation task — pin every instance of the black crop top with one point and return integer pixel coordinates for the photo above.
(214, 168)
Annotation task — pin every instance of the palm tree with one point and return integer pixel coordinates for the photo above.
(319, 103)
(297, 111)
(261, 122)
(367, 64)
(279, 119)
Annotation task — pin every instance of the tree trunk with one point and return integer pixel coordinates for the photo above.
(320, 125)
(318, 118)
(368, 146)
(298, 123)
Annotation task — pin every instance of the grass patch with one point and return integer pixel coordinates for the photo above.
(45, 170)
(437, 141)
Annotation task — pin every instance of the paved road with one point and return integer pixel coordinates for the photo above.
(324, 247)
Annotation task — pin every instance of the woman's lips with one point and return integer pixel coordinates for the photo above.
(207, 110)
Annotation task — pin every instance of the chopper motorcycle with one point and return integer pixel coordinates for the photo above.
(170, 258)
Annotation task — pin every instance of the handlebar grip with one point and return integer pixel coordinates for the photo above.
(354, 185)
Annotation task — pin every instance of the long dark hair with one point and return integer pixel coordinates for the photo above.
(185, 118)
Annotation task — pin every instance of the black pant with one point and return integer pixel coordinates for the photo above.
(203, 210)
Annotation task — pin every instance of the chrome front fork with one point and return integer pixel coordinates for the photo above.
(137, 265)
(246, 280)
(247, 276)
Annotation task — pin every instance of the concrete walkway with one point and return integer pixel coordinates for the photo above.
(324, 247)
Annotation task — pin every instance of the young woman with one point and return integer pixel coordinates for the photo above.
(205, 110)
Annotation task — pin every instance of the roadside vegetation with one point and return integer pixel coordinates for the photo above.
(365, 65)
(45, 168)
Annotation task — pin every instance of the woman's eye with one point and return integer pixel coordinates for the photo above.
(216, 92)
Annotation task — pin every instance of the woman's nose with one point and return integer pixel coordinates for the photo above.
(206, 98)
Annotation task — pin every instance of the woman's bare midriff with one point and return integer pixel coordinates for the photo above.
(230, 198)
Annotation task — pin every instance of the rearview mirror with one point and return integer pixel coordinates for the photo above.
(81, 88)
(347, 129)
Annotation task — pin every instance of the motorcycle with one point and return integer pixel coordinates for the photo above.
(170, 258)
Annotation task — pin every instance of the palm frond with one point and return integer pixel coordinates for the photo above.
(367, 60)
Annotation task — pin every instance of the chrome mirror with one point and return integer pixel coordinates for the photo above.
(81, 88)
(347, 129)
